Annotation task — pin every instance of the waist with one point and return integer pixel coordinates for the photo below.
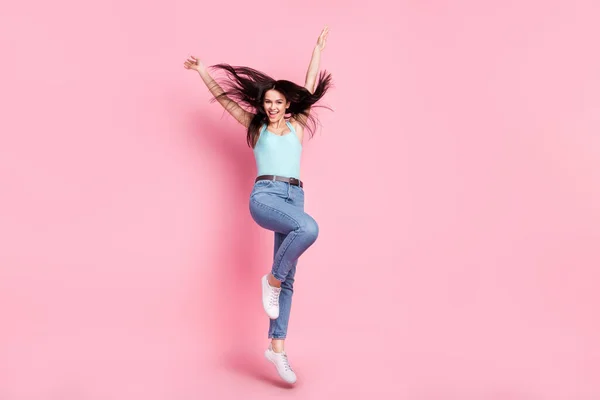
(291, 181)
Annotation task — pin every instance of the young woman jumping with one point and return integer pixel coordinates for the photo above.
(276, 115)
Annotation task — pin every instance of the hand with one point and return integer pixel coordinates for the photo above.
(193, 63)
(322, 40)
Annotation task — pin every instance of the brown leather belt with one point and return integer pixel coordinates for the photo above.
(291, 181)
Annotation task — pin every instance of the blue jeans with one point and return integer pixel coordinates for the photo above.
(279, 207)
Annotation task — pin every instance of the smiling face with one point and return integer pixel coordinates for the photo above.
(275, 105)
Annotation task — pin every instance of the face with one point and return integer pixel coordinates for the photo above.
(275, 105)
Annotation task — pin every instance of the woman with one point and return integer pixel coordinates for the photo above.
(276, 114)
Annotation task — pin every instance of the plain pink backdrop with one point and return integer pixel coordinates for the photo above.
(456, 185)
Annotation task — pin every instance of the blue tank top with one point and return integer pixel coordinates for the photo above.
(278, 155)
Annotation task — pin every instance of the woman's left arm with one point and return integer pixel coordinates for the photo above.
(315, 61)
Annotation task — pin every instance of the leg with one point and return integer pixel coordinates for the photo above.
(278, 327)
(299, 228)
(280, 208)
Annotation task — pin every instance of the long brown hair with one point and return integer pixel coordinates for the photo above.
(247, 87)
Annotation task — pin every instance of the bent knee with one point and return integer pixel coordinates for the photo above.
(310, 230)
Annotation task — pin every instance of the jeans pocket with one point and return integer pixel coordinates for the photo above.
(263, 184)
(261, 187)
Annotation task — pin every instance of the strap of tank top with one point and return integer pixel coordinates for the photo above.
(290, 126)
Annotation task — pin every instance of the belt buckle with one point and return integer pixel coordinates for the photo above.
(294, 181)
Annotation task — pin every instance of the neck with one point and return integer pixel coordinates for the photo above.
(277, 124)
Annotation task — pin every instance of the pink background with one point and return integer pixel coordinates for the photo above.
(456, 185)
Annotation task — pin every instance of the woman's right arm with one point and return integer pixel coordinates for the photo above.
(242, 116)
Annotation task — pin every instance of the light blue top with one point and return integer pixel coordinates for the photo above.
(278, 155)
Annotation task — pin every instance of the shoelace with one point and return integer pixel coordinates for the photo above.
(274, 299)
(286, 363)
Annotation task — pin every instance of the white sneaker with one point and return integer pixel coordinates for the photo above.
(270, 298)
(282, 364)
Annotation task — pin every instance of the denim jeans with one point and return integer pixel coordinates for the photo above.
(279, 207)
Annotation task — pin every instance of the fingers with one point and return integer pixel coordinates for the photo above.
(191, 62)
(323, 36)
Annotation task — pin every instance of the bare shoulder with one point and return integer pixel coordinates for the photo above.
(297, 125)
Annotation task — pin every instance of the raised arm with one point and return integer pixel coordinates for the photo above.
(242, 116)
(315, 61)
